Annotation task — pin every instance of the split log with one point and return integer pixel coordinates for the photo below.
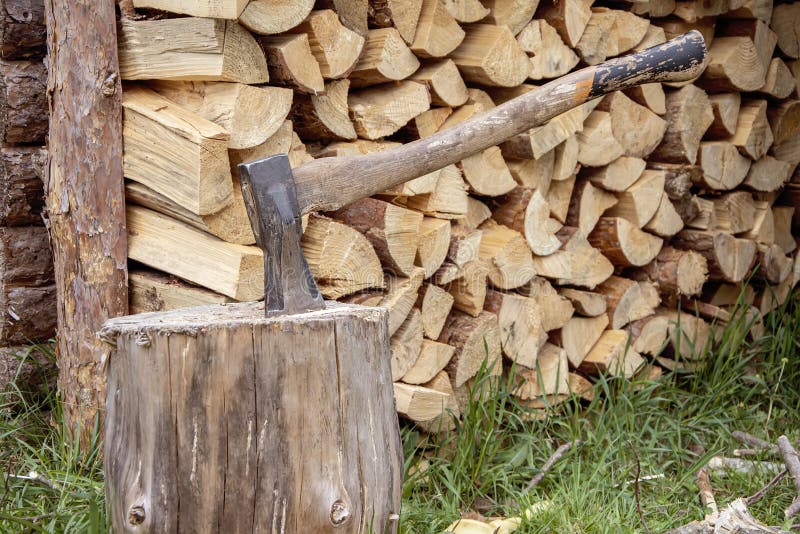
(598, 146)
(425, 407)
(402, 14)
(779, 83)
(476, 339)
(667, 221)
(545, 138)
(774, 265)
(280, 143)
(726, 115)
(153, 291)
(650, 95)
(444, 82)
(433, 244)
(628, 300)
(342, 261)
(734, 65)
(599, 38)
(639, 203)
(23, 34)
(393, 231)
(465, 10)
(785, 124)
(753, 136)
(406, 344)
(25, 258)
(490, 55)
(487, 173)
(556, 310)
(612, 354)
(469, 287)
(24, 116)
(617, 175)
(724, 168)
(782, 216)
(689, 114)
(291, 62)
(385, 58)
(429, 122)
(785, 20)
(190, 49)
(636, 142)
(648, 335)
(579, 335)
(29, 313)
(550, 376)
(381, 111)
(735, 212)
(399, 298)
(432, 359)
(623, 243)
(507, 255)
(366, 491)
(522, 332)
(678, 272)
(324, 117)
(628, 31)
(569, 18)
(565, 164)
(514, 15)
(586, 206)
(533, 173)
(464, 245)
(655, 34)
(752, 9)
(559, 196)
(336, 47)
(706, 218)
(451, 411)
(763, 230)
(21, 196)
(219, 9)
(448, 201)
(768, 174)
(729, 258)
(759, 31)
(549, 56)
(438, 33)
(251, 115)
(725, 294)
(585, 303)
(576, 263)
(526, 211)
(268, 17)
(690, 336)
(434, 304)
(154, 130)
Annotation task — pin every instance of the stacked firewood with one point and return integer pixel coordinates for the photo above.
(568, 250)
(27, 290)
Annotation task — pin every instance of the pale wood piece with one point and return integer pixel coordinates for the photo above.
(354, 14)
(654, 8)
(650, 95)
(487, 173)
(667, 221)
(785, 20)
(399, 298)
(21, 199)
(674, 26)
(734, 65)
(251, 115)
(163, 243)
(565, 164)
(342, 260)
(628, 300)
(335, 47)
(695, 10)
(729, 258)
(490, 55)
(779, 83)
(559, 129)
(556, 310)
(267, 17)
(598, 146)
(433, 244)
(690, 336)
(774, 265)
(785, 124)
(533, 173)
(190, 49)
(753, 9)
(513, 14)
(612, 354)
(654, 35)
(782, 216)
(446, 421)
(579, 335)
(599, 37)
(724, 168)
(726, 115)
(392, 230)
(550, 375)
(763, 224)
(464, 245)
(569, 18)
(402, 14)
(476, 339)
(155, 130)
(522, 332)
(406, 344)
(735, 212)
(629, 31)
(438, 33)
(526, 211)
(678, 272)
(689, 114)
(585, 303)
(385, 58)
(291, 62)
(706, 218)
(152, 291)
(586, 206)
(279, 143)
(558, 198)
(623, 243)
(429, 122)
(421, 405)
(617, 175)
(576, 263)
(324, 116)
(636, 142)
(465, 10)
(185, 412)
(639, 203)
(724, 294)
(448, 201)
(753, 136)
(434, 304)
(444, 82)
(432, 359)
(468, 288)
(507, 255)
(549, 56)
(649, 334)
(768, 174)
(381, 111)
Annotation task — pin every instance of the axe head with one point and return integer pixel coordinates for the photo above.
(270, 196)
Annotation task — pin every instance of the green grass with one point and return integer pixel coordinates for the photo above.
(495, 451)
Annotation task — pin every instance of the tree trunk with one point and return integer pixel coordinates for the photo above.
(85, 196)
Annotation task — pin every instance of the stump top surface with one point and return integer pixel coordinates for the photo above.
(192, 320)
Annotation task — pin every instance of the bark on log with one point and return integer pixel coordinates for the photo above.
(23, 102)
(21, 194)
(22, 29)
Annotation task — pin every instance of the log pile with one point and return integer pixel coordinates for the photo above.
(614, 239)
(27, 290)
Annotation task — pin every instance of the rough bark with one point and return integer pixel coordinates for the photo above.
(22, 29)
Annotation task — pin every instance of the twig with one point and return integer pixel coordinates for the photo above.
(548, 465)
(747, 452)
(792, 461)
(722, 463)
(703, 482)
(636, 489)
(754, 498)
(754, 442)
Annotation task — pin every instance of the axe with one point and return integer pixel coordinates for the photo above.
(276, 196)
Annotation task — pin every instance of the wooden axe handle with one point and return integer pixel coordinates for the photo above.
(327, 184)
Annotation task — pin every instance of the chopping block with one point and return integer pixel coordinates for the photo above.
(225, 420)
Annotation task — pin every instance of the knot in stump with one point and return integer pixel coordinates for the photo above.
(339, 513)
(136, 515)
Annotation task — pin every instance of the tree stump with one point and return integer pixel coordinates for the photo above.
(222, 420)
